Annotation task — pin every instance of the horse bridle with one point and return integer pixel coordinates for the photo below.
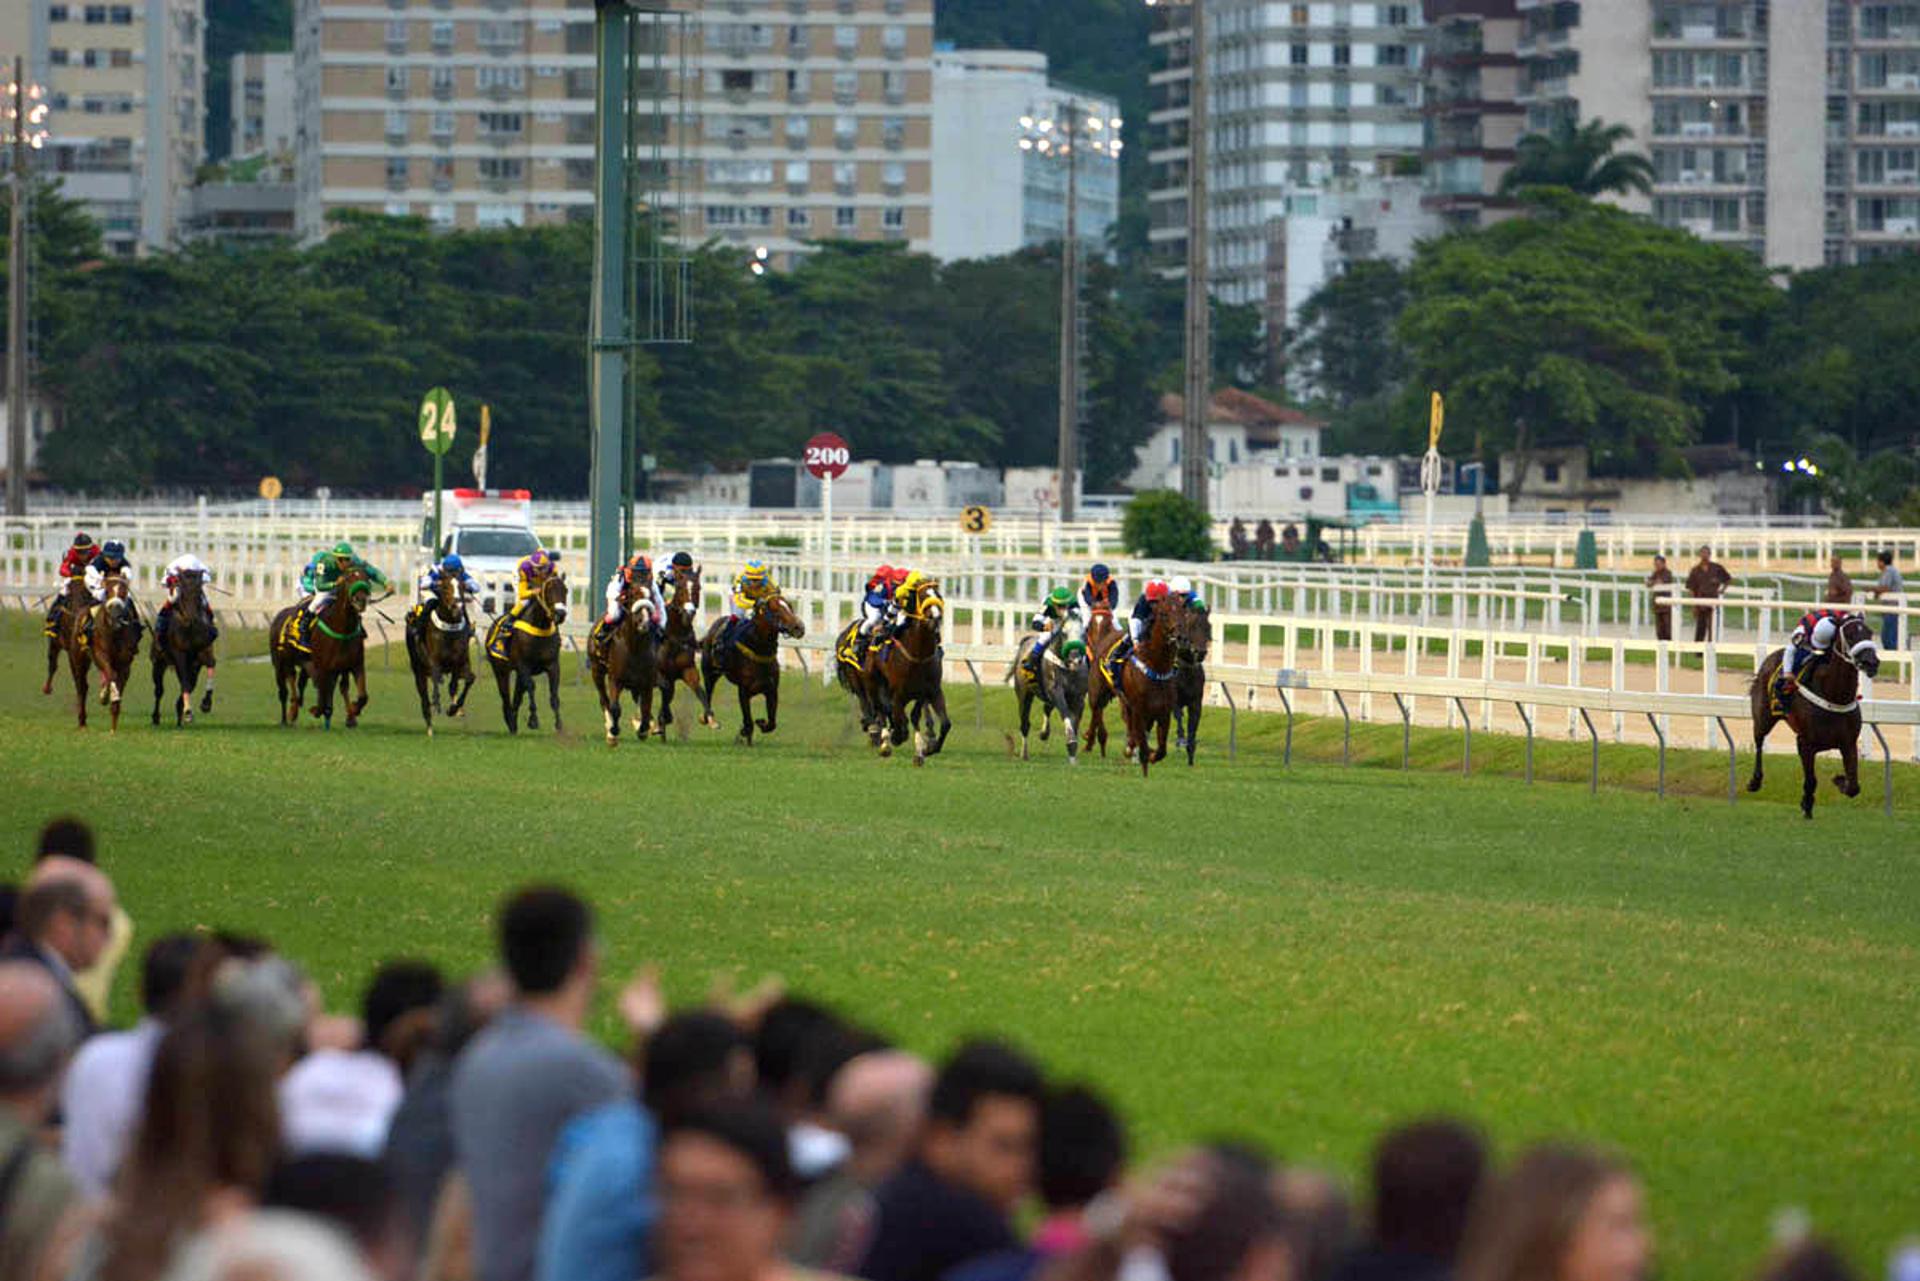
(765, 606)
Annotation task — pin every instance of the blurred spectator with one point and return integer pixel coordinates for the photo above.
(1839, 586)
(1263, 539)
(354, 1195)
(974, 1162)
(1425, 1177)
(1889, 583)
(38, 1032)
(779, 1042)
(818, 1146)
(344, 1100)
(420, 1138)
(528, 1074)
(1807, 1259)
(273, 1245)
(1318, 1216)
(1083, 1151)
(726, 1195)
(107, 1083)
(1560, 1214)
(1237, 538)
(63, 843)
(1660, 585)
(879, 1102)
(65, 921)
(1209, 1216)
(1290, 541)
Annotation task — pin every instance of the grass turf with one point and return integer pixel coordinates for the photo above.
(1726, 993)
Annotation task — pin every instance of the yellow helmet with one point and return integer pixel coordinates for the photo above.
(754, 572)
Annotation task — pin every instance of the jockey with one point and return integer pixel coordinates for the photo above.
(1101, 590)
(638, 570)
(1060, 605)
(1813, 634)
(682, 563)
(529, 580)
(179, 567)
(906, 583)
(72, 565)
(324, 571)
(111, 560)
(450, 566)
(1183, 588)
(751, 585)
(876, 604)
(1137, 624)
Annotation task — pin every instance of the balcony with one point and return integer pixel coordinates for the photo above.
(893, 139)
(396, 181)
(443, 182)
(442, 89)
(396, 44)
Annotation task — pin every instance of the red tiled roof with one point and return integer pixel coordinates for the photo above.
(1232, 405)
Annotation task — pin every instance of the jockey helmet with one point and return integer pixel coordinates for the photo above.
(1098, 574)
(536, 563)
(343, 550)
(83, 539)
(1156, 590)
(453, 564)
(884, 574)
(1181, 587)
(897, 575)
(114, 549)
(753, 572)
(682, 560)
(1060, 596)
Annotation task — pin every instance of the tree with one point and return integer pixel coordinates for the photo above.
(1580, 158)
(1165, 525)
(1345, 345)
(1875, 490)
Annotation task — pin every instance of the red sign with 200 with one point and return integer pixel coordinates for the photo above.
(827, 456)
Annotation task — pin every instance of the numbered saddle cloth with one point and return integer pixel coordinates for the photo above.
(497, 637)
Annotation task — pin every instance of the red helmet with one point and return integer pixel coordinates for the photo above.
(1156, 590)
(883, 574)
(897, 575)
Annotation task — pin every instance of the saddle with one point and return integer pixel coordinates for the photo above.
(497, 638)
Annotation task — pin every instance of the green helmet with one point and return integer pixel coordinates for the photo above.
(343, 550)
(1060, 596)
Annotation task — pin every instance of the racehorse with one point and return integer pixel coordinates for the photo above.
(627, 658)
(1190, 678)
(74, 605)
(334, 650)
(438, 649)
(110, 645)
(906, 677)
(1103, 633)
(531, 647)
(1824, 708)
(754, 664)
(679, 656)
(1146, 684)
(1061, 686)
(855, 671)
(186, 648)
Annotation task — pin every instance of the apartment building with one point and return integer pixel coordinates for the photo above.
(807, 119)
(261, 115)
(1470, 102)
(991, 196)
(125, 83)
(1300, 95)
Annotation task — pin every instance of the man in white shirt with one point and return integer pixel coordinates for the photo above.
(343, 1101)
(107, 1082)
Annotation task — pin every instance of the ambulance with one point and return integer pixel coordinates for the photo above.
(491, 530)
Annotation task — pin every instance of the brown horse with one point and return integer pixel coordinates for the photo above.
(1146, 681)
(1103, 633)
(109, 644)
(906, 677)
(1824, 708)
(334, 651)
(627, 658)
(1190, 681)
(752, 663)
(531, 647)
(65, 622)
(438, 648)
(679, 660)
(185, 648)
(853, 666)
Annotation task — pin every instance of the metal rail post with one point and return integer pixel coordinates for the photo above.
(1528, 722)
(1346, 730)
(1654, 721)
(1406, 730)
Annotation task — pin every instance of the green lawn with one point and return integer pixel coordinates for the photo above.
(1727, 993)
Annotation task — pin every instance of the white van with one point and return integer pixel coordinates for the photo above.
(491, 530)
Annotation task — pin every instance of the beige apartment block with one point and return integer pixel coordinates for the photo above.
(125, 81)
(806, 119)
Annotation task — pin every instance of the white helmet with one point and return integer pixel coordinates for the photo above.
(1181, 587)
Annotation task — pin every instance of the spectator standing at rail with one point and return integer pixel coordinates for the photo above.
(1889, 581)
(1425, 1177)
(532, 1070)
(1237, 538)
(1263, 539)
(952, 1201)
(1559, 1214)
(37, 1034)
(1839, 586)
(1707, 580)
(1660, 583)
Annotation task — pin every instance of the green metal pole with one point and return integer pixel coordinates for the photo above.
(609, 336)
(438, 461)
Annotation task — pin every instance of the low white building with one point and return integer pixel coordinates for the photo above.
(1241, 428)
(1724, 482)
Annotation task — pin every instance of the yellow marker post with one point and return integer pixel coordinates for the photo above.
(1436, 419)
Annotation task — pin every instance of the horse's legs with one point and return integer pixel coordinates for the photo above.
(553, 691)
(1026, 721)
(207, 664)
(939, 710)
(1848, 781)
(53, 662)
(644, 696)
(772, 695)
(159, 684)
(1162, 723)
(746, 714)
(1762, 726)
(608, 687)
(1192, 737)
(360, 684)
(705, 695)
(508, 712)
(1809, 783)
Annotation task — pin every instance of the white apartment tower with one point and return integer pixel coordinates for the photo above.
(261, 115)
(809, 119)
(126, 83)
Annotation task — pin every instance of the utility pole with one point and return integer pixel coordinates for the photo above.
(1071, 128)
(1199, 356)
(17, 399)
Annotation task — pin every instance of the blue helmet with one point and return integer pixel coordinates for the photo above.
(114, 549)
(453, 564)
(1098, 573)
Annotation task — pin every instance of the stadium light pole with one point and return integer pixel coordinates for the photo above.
(1199, 337)
(24, 113)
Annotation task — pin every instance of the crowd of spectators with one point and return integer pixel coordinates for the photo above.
(468, 1129)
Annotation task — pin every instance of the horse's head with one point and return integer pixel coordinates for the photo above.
(1073, 639)
(117, 596)
(776, 610)
(1855, 641)
(686, 600)
(928, 604)
(1195, 639)
(446, 595)
(553, 592)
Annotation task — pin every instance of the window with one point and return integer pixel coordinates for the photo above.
(1330, 474)
(396, 124)
(442, 34)
(747, 173)
(846, 86)
(397, 170)
(846, 175)
(502, 168)
(121, 15)
(120, 57)
(58, 57)
(499, 215)
(893, 218)
(90, 57)
(845, 130)
(1397, 15)
(797, 173)
(1297, 55)
(1299, 15)
(96, 14)
(499, 124)
(1393, 55)
(846, 39)
(396, 79)
(798, 219)
(397, 33)
(736, 81)
(797, 130)
(846, 218)
(56, 13)
(440, 215)
(894, 41)
(1550, 473)
(1343, 55)
(893, 174)
(502, 77)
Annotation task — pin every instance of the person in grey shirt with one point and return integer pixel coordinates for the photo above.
(529, 1073)
(1889, 581)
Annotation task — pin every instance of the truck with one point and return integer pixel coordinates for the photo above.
(491, 529)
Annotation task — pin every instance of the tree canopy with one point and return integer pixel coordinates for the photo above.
(1583, 158)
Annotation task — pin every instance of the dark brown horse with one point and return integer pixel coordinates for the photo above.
(1103, 633)
(185, 648)
(854, 665)
(531, 647)
(753, 662)
(333, 652)
(679, 661)
(627, 658)
(1147, 681)
(70, 618)
(439, 649)
(1190, 651)
(907, 677)
(1824, 708)
(109, 646)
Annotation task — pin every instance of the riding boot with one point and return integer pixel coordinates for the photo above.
(1031, 663)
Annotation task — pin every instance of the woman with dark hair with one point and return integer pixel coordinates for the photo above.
(1560, 1214)
(726, 1188)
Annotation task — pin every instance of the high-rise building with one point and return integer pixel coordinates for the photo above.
(262, 106)
(1787, 129)
(1300, 95)
(809, 119)
(125, 83)
(989, 195)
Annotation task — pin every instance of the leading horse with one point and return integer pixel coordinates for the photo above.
(1146, 683)
(185, 649)
(1823, 709)
(679, 660)
(753, 664)
(328, 655)
(439, 648)
(906, 680)
(627, 659)
(520, 649)
(109, 644)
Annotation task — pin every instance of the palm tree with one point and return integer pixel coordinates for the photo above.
(1581, 158)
